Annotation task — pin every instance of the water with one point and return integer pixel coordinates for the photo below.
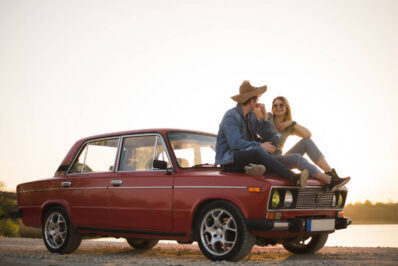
(368, 235)
(374, 235)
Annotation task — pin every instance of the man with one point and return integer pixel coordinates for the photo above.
(240, 146)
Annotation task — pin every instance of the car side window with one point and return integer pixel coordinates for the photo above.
(138, 153)
(96, 156)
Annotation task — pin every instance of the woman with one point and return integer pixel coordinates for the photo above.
(281, 117)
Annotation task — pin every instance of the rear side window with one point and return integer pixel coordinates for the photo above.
(96, 156)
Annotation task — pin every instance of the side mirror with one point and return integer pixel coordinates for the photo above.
(159, 164)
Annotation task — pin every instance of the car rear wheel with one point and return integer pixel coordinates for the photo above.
(222, 233)
(307, 245)
(58, 233)
(144, 244)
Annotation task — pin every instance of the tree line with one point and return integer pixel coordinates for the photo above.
(372, 213)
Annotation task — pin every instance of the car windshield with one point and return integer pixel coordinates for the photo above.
(193, 150)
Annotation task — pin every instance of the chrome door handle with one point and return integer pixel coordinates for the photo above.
(66, 184)
(116, 182)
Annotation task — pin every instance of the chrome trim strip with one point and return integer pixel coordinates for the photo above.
(90, 173)
(234, 187)
(38, 190)
(143, 187)
(89, 188)
(149, 187)
(85, 188)
(25, 191)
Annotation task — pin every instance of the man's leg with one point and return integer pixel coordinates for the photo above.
(260, 156)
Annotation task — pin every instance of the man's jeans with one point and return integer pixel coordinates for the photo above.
(279, 164)
(307, 146)
(259, 156)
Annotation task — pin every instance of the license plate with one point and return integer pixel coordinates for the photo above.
(316, 225)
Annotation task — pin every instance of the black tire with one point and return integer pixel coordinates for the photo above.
(222, 233)
(306, 246)
(59, 236)
(143, 244)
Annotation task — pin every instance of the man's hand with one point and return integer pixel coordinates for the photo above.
(268, 147)
(282, 126)
(261, 112)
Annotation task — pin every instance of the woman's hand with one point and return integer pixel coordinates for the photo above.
(268, 147)
(283, 125)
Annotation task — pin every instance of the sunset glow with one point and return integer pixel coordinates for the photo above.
(71, 69)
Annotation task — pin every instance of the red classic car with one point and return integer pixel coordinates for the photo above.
(149, 185)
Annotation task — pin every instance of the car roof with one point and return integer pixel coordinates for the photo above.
(143, 131)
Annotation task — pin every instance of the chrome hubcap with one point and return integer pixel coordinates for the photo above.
(218, 232)
(55, 230)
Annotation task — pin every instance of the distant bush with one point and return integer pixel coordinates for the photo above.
(13, 227)
(8, 203)
(28, 231)
(8, 228)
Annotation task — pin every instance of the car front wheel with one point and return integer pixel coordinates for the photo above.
(222, 233)
(308, 245)
(143, 244)
(58, 233)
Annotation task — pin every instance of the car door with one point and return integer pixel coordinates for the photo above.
(140, 198)
(85, 187)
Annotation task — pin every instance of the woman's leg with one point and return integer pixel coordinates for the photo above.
(323, 177)
(309, 147)
(323, 164)
(296, 160)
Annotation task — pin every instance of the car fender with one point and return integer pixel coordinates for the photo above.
(61, 202)
(217, 196)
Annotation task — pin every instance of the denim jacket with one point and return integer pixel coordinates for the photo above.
(232, 134)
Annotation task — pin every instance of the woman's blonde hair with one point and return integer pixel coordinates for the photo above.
(288, 115)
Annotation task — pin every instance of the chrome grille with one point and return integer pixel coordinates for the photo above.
(314, 198)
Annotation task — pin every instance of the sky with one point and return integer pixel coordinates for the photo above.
(71, 69)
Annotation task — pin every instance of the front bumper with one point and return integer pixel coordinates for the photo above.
(292, 225)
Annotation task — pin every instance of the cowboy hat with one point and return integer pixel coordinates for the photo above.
(246, 91)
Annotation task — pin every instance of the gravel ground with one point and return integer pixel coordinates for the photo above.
(23, 251)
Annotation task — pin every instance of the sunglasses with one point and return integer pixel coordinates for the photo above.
(281, 105)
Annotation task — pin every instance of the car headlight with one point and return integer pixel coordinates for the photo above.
(340, 200)
(288, 199)
(334, 200)
(276, 198)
